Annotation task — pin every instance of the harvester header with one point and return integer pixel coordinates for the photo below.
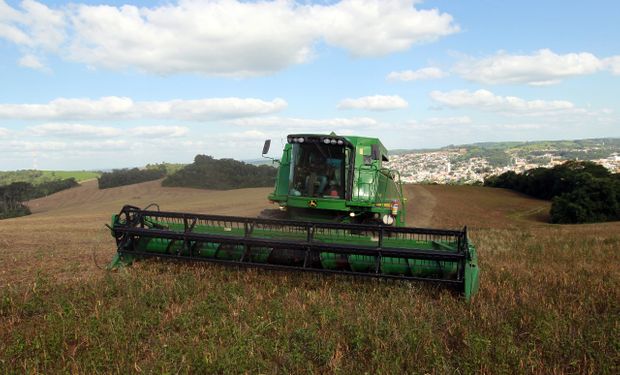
(339, 211)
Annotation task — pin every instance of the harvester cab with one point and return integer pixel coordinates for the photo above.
(337, 179)
(341, 211)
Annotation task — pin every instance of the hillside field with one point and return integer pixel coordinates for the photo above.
(548, 300)
(37, 176)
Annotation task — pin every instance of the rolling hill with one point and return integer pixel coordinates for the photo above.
(38, 176)
(548, 298)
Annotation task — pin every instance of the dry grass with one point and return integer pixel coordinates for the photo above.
(477, 207)
(548, 301)
(59, 239)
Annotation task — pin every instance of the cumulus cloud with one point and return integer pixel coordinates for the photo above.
(93, 131)
(108, 145)
(613, 64)
(20, 146)
(74, 130)
(248, 141)
(33, 26)
(457, 120)
(158, 131)
(487, 101)
(32, 62)
(211, 37)
(374, 103)
(305, 123)
(522, 126)
(455, 123)
(114, 107)
(220, 37)
(416, 75)
(379, 27)
(543, 67)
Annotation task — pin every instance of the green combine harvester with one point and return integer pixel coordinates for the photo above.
(340, 211)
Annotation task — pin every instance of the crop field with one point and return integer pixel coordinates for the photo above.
(36, 176)
(548, 300)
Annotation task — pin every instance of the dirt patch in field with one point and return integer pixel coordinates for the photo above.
(481, 207)
(88, 198)
(420, 205)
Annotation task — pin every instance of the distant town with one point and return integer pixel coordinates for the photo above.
(472, 163)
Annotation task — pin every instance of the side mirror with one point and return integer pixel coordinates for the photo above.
(266, 146)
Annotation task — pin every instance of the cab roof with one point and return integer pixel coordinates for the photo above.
(350, 140)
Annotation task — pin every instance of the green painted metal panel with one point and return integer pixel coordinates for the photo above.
(372, 185)
(472, 277)
(284, 171)
(229, 250)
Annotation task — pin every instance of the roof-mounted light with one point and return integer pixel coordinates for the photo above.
(327, 141)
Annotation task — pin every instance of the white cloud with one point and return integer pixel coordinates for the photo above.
(487, 101)
(415, 75)
(434, 124)
(108, 145)
(33, 26)
(374, 103)
(210, 37)
(305, 123)
(248, 134)
(114, 107)
(4, 132)
(158, 131)
(248, 137)
(458, 120)
(226, 143)
(220, 37)
(74, 130)
(32, 62)
(525, 126)
(229, 144)
(543, 67)
(379, 27)
(279, 127)
(29, 146)
(218, 108)
(613, 64)
(92, 131)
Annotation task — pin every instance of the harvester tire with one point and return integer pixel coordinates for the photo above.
(271, 213)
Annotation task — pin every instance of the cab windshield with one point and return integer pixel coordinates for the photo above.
(318, 170)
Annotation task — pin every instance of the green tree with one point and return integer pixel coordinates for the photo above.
(581, 191)
(209, 173)
(121, 177)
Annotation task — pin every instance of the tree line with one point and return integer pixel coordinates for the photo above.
(13, 196)
(580, 191)
(126, 176)
(221, 174)
(205, 172)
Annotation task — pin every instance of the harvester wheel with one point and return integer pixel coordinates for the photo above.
(271, 213)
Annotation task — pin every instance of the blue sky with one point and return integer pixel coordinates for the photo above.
(105, 84)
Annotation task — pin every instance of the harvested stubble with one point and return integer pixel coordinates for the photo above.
(548, 300)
